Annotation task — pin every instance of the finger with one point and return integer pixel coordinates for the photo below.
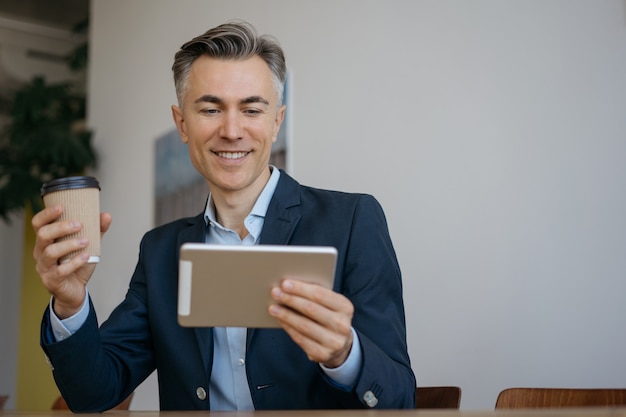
(47, 261)
(322, 305)
(44, 251)
(320, 344)
(105, 222)
(317, 319)
(63, 248)
(45, 216)
(299, 322)
(305, 333)
(316, 293)
(66, 282)
(312, 320)
(58, 275)
(54, 231)
(78, 268)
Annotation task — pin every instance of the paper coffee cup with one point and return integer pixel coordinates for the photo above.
(80, 198)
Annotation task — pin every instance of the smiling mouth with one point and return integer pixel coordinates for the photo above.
(231, 155)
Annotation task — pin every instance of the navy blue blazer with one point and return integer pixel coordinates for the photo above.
(97, 368)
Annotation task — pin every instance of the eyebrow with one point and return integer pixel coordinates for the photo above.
(208, 98)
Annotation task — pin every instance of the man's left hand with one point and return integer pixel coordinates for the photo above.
(318, 320)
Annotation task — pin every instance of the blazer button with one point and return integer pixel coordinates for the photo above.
(201, 393)
(370, 399)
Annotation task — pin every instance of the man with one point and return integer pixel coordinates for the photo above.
(335, 349)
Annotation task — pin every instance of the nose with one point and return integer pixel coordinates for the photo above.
(232, 126)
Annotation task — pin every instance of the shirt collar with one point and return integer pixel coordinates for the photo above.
(260, 206)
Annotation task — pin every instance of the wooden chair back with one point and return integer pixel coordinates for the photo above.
(438, 397)
(3, 399)
(60, 404)
(560, 397)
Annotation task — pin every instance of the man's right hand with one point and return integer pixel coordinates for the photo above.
(65, 281)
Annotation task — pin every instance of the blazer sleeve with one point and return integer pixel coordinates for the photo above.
(368, 274)
(371, 279)
(88, 370)
(98, 367)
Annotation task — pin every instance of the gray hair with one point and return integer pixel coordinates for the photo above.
(232, 40)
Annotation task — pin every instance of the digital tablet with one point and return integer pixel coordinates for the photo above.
(224, 285)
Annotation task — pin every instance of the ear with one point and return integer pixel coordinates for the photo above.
(280, 116)
(179, 120)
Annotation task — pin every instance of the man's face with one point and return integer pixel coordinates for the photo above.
(229, 120)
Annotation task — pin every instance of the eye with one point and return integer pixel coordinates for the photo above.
(252, 111)
(209, 111)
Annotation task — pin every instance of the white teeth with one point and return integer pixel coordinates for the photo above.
(232, 155)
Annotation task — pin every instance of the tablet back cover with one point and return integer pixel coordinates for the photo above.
(223, 285)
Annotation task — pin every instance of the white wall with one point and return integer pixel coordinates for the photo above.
(493, 133)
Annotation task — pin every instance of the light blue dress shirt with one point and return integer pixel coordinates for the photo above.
(228, 388)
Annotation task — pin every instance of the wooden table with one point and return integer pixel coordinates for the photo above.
(554, 412)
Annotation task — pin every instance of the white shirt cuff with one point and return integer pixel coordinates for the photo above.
(62, 329)
(347, 373)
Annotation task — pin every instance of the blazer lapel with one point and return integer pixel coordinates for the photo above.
(283, 213)
(281, 219)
